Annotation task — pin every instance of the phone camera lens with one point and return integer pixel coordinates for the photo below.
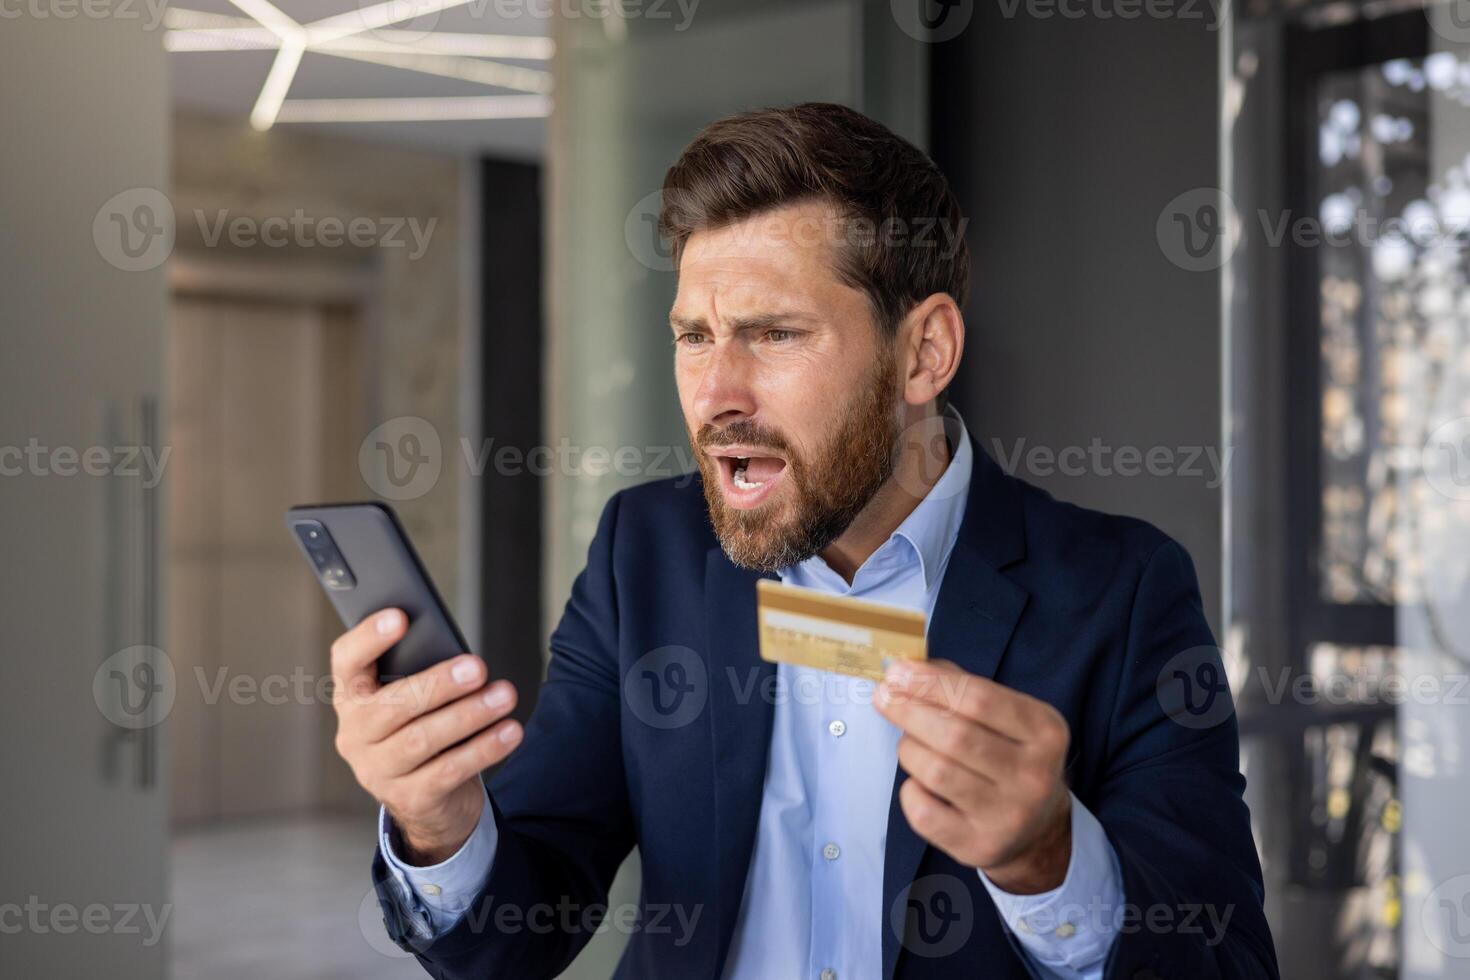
(330, 564)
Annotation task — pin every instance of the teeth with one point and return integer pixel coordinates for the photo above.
(740, 482)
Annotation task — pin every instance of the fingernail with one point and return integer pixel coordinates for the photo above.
(498, 696)
(389, 621)
(510, 734)
(466, 670)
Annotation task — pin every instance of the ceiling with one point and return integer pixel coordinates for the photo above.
(408, 60)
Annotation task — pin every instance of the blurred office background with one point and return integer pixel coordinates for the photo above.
(407, 252)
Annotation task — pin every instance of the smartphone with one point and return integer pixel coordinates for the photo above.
(363, 558)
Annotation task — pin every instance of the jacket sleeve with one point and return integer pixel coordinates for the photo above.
(560, 805)
(1171, 801)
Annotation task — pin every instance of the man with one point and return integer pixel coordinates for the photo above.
(1025, 803)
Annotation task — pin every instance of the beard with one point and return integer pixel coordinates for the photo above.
(826, 492)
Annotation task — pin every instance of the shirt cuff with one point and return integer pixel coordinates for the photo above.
(1069, 930)
(438, 896)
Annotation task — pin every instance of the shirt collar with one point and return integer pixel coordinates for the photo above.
(934, 525)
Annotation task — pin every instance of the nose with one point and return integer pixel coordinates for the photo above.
(723, 389)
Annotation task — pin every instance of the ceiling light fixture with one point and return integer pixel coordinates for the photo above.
(221, 39)
(191, 30)
(374, 17)
(462, 56)
(493, 73)
(269, 16)
(513, 46)
(277, 83)
(414, 110)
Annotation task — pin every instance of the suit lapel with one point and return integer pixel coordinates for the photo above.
(741, 711)
(974, 616)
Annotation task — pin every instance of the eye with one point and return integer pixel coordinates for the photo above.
(689, 339)
(779, 336)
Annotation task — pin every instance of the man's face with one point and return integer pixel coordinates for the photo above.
(789, 394)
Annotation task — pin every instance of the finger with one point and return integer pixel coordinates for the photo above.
(444, 773)
(355, 653)
(421, 740)
(933, 819)
(974, 746)
(947, 779)
(981, 699)
(400, 702)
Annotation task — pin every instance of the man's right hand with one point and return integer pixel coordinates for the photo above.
(402, 739)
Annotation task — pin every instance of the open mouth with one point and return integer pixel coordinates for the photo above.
(747, 476)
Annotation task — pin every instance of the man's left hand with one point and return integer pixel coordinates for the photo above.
(985, 770)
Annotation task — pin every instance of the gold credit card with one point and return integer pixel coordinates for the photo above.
(830, 632)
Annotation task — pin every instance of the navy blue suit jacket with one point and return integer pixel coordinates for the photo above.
(1078, 608)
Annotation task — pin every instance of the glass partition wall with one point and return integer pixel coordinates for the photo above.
(1350, 389)
(631, 93)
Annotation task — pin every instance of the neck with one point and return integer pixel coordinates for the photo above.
(923, 456)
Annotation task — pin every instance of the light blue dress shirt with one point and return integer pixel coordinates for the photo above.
(819, 850)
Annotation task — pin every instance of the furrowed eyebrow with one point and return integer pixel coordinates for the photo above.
(760, 321)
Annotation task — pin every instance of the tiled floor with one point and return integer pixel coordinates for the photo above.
(285, 899)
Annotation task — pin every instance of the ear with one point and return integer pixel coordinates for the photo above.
(932, 338)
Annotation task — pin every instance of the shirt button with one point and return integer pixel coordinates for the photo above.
(1066, 930)
(837, 728)
(831, 852)
(829, 974)
(1022, 925)
(431, 890)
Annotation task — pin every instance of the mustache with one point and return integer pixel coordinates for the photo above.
(744, 432)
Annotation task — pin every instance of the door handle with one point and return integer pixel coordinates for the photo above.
(148, 597)
(130, 562)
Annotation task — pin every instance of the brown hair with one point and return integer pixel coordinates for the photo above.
(879, 184)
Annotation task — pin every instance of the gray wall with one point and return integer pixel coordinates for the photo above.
(1066, 139)
(84, 112)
